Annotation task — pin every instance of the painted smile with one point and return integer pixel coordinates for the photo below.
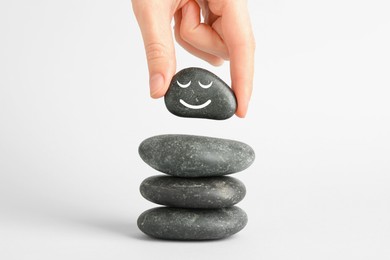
(205, 104)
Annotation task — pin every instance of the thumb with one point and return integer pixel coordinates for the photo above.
(154, 21)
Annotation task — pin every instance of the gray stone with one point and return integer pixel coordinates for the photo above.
(192, 224)
(211, 192)
(196, 92)
(195, 156)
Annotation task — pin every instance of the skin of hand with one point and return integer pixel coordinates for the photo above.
(225, 34)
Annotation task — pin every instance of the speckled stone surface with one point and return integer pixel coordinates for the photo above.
(211, 192)
(195, 156)
(192, 224)
(196, 92)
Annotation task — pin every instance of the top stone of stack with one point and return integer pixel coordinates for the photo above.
(198, 93)
(195, 156)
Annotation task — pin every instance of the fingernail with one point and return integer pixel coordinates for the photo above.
(156, 82)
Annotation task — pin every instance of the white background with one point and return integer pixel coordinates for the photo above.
(74, 106)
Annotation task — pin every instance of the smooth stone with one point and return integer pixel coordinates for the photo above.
(195, 156)
(210, 192)
(196, 92)
(192, 224)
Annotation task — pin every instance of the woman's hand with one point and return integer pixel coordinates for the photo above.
(226, 34)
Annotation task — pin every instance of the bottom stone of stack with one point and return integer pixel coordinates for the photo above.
(192, 224)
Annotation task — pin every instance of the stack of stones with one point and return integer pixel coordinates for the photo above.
(198, 198)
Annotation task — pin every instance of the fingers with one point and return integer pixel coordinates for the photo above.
(199, 35)
(153, 17)
(212, 59)
(229, 37)
(240, 42)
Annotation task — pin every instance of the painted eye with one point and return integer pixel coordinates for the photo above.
(205, 86)
(183, 85)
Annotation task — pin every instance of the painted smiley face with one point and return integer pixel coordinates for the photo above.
(200, 106)
(198, 93)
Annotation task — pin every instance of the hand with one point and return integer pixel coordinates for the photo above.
(226, 34)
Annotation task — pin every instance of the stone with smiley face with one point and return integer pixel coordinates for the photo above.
(198, 93)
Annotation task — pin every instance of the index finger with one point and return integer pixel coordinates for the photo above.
(238, 36)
